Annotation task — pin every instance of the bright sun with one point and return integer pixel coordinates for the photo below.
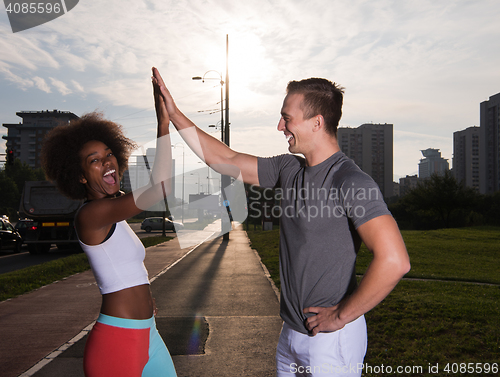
(249, 67)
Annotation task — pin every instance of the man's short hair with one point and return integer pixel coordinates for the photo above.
(321, 97)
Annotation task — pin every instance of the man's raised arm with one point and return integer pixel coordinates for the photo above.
(212, 151)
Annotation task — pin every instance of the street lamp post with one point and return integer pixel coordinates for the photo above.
(221, 125)
(226, 130)
(198, 174)
(208, 180)
(225, 179)
(203, 78)
(182, 196)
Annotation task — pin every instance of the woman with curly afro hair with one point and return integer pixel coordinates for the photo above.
(61, 160)
(86, 159)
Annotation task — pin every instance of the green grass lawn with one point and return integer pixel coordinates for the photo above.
(267, 245)
(467, 254)
(445, 320)
(424, 322)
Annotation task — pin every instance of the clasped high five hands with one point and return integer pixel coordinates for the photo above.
(164, 103)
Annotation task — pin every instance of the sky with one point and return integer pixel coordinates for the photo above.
(424, 66)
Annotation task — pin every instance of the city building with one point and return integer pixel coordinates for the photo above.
(395, 189)
(466, 157)
(139, 171)
(407, 183)
(432, 163)
(489, 128)
(25, 139)
(371, 148)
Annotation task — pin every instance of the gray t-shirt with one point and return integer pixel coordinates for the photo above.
(321, 206)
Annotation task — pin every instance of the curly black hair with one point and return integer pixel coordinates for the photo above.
(60, 154)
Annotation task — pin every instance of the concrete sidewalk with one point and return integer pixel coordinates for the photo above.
(218, 314)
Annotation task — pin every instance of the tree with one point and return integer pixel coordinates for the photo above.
(9, 195)
(437, 202)
(21, 172)
(12, 179)
(490, 208)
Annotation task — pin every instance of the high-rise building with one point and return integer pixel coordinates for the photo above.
(489, 125)
(466, 157)
(139, 170)
(25, 139)
(407, 184)
(371, 148)
(432, 163)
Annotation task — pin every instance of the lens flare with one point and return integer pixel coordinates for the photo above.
(194, 339)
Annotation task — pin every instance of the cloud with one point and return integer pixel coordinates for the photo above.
(22, 83)
(20, 52)
(41, 84)
(423, 66)
(120, 92)
(70, 59)
(60, 86)
(77, 86)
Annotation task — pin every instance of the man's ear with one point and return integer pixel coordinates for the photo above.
(83, 180)
(319, 122)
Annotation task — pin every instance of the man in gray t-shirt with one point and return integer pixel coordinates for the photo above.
(321, 206)
(329, 206)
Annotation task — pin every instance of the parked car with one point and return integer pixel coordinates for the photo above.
(156, 223)
(10, 239)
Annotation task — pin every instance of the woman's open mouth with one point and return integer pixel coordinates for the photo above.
(110, 177)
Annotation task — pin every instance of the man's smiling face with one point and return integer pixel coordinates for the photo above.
(296, 129)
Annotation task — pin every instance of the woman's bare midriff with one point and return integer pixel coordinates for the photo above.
(131, 303)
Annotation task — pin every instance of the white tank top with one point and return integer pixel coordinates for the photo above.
(118, 262)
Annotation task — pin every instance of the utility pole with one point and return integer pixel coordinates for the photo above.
(224, 125)
(226, 180)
